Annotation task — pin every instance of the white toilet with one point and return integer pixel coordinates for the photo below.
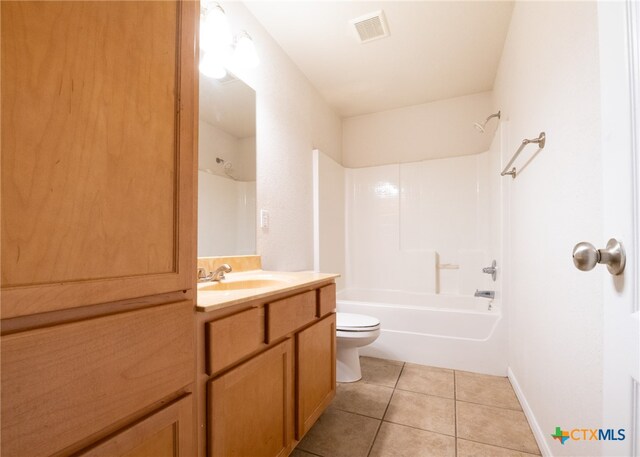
(353, 331)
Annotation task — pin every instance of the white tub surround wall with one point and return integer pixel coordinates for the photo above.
(328, 216)
(549, 80)
(419, 132)
(292, 119)
(420, 227)
(226, 216)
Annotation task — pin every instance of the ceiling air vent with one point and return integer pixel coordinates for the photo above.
(371, 26)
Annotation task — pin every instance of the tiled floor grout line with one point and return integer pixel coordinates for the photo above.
(499, 447)
(422, 393)
(491, 406)
(385, 410)
(455, 416)
(418, 428)
(357, 414)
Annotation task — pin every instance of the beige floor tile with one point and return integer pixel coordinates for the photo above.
(298, 453)
(395, 440)
(362, 398)
(340, 434)
(486, 390)
(380, 371)
(473, 449)
(426, 412)
(496, 426)
(427, 380)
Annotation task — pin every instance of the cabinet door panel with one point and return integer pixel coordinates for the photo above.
(167, 433)
(251, 407)
(64, 383)
(316, 365)
(97, 151)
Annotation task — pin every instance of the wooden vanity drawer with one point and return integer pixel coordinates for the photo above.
(231, 338)
(326, 300)
(288, 315)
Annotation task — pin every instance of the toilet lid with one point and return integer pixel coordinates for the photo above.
(355, 321)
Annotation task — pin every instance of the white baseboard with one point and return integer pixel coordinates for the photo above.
(538, 434)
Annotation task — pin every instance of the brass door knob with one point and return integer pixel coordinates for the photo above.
(586, 256)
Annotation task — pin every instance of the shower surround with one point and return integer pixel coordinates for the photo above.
(422, 227)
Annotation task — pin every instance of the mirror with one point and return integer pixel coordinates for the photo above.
(226, 168)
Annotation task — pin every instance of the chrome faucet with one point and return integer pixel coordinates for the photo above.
(491, 270)
(203, 276)
(218, 273)
(485, 293)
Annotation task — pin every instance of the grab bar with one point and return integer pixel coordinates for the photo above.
(540, 141)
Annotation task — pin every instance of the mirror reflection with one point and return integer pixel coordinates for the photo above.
(226, 168)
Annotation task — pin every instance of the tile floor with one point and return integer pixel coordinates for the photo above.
(405, 410)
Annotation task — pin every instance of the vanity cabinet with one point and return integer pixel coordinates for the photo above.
(98, 148)
(267, 372)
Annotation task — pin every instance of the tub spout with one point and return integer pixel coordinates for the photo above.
(485, 293)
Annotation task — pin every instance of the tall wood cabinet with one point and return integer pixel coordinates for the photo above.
(98, 143)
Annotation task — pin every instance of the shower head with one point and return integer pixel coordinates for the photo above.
(480, 127)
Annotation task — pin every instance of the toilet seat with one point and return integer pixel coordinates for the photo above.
(348, 322)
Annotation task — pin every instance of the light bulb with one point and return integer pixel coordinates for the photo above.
(215, 30)
(245, 55)
(211, 67)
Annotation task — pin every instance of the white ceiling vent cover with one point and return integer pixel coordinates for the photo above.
(371, 26)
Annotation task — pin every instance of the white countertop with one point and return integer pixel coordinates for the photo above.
(210, 300)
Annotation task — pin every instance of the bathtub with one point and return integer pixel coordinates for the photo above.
(449, 331)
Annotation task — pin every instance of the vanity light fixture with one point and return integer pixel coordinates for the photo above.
(215, 31)
(219, 48)
(245, 55)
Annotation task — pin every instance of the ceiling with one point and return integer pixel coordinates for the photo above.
(435, 51)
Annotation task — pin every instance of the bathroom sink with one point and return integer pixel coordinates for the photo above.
(240, 284)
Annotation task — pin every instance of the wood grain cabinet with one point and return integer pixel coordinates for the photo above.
(166, 433)
(251, 406)
(316, 369)
(97, 227)
(267, 373)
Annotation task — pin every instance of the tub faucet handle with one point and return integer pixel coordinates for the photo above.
(491, 270)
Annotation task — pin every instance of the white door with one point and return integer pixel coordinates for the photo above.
(620, 89)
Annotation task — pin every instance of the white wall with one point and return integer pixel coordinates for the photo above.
(292, 120)
(329, 216)
(405, 222)
(549, 80)
(419, 132)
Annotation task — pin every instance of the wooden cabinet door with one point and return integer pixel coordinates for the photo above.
(65, 383)
(251, 407)
(316, 365)
(167, 433)
(97, 151)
